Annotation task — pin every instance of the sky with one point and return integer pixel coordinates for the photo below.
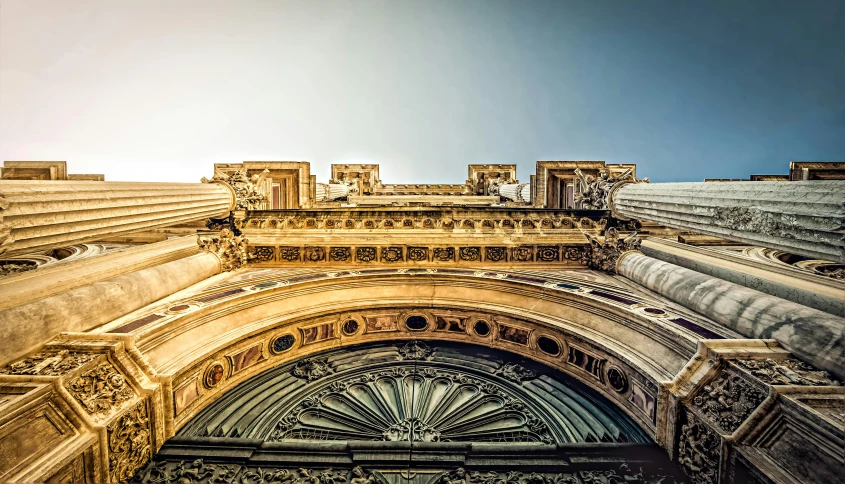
(153, 90)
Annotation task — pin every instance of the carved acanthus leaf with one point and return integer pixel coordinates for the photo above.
(231, 250)
(603, 255)
(130, 445)
(100, 390)
(248, 190)
(595, 192)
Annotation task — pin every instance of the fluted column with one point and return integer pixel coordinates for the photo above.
(37, 215)
(801, 217)
(815, 336)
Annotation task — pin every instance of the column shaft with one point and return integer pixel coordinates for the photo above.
(804, 218)
(813, 335)
(25, 328)
(37, 215)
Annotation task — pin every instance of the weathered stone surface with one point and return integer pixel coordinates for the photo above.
(814, 336)
(800, 217)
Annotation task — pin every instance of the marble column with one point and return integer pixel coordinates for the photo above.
(815, 336)
(801, 217)
(38, 215)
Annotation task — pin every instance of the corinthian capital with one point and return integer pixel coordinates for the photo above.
(603, 255)
(230, 249)
(248, 190)
(596, 192)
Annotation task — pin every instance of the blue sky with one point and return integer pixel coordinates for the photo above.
(160, 90)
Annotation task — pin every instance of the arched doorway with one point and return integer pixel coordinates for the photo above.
(415, 412)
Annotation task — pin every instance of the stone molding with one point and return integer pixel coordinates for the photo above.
(733, 397)
(230, 249)
(111, 401)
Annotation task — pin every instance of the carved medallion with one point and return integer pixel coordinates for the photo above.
(547, 253)
(418, 254)
(289, 254)
(444, 254)
(315, 254)
(262, 253)
(391, 254)
(340, 254)
(365, 254)
(728, 401)
(522, 254)
(129, 443)
(100, 390)
(495, 254)
(416, 350)
(471, 254)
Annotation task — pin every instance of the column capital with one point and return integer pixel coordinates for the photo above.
(247, 193)
(604, 255)
(597, 192)
(229, 248)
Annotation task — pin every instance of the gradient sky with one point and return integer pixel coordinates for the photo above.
(160, 90)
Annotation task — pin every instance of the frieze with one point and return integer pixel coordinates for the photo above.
(49, 363)
(603, 255)
(9, 267)
(100, 390)
(787, 372)
(229, 248)
(728, 400)
(129, 443)
(567, 254)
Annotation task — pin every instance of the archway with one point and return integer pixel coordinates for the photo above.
(412, 412)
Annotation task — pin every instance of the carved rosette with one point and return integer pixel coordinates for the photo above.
(604, 255)
(130, 443)
(596, 192)
(230, 249)
(247, 190)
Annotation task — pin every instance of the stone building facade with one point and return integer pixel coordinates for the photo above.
(260, 327)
